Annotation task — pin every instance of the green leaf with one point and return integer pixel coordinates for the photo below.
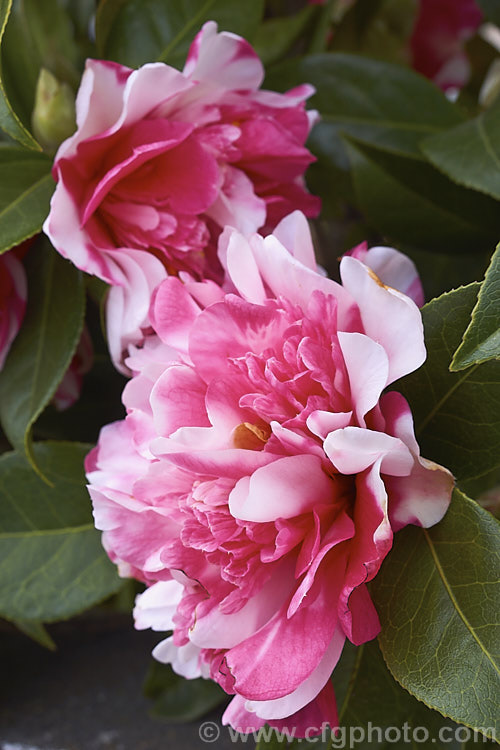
(134, 32)
(275, 36)
(481, 341)
(44, 347)
(438, 599)
(375, 712)
(178, 699)
(9, 121)
(457, 415)
(470, 153)
(37, 632)
(37, 35)
(374, 699)
(383, 104)
(491, 10)
(52, 563)
(380, 29)
(411, 202)
(26, 186)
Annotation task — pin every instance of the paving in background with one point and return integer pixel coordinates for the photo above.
(87, 695)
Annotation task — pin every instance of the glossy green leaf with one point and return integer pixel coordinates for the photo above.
(438, 599)
(39, 34)
(411, 202)
(134, 32)
(380, 29)
(26, 186)
(10, 123)
(275, 36)
(470, 153)
(481, 341)
(44, 347)
(374, 699)
(376, 713)
(383, 104)
(457, 415)
(177, 699)
(491, 10)
(440, 272)
(52, 563)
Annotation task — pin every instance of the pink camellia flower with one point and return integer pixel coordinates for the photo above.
(162, 160)
(437, 42)
(262, 469)
(13, 292)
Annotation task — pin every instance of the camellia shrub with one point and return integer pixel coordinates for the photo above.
(249, 343)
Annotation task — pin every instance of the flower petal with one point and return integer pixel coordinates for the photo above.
(388, 317)
(285, 488)
(353, 449)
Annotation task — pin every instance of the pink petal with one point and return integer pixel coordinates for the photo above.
(232, 463)
(388, 317)
(145, 142)
(62, 226)
(423, 497)
(156, 606)
(237, 716)
(237, 205)
(184, 660)
(341, 530)
(127, 306)
(99, 101)
(237, 258)
(323, 422)
(308, 690)
(397, 270)
(368, 548)
(283, 489)
(293, 232)
(147, 89)
(353, 449)
(173, 313)
(288, 277)
(219, 630)
(261, 666)
(178, 400)
(231, 329)
(368, 370)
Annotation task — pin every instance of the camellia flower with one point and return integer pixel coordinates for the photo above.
(162, 160)
(13, 292)
(439, 35)
(262, 469)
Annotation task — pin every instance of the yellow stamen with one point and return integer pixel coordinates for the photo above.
(249, 436)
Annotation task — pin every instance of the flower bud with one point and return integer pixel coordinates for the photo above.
(53, 118)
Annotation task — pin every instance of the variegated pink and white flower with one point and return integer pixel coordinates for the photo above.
(438, 40)
(162, 160)
(263, 468)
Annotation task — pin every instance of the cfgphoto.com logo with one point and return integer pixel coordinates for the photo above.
(349, 737)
